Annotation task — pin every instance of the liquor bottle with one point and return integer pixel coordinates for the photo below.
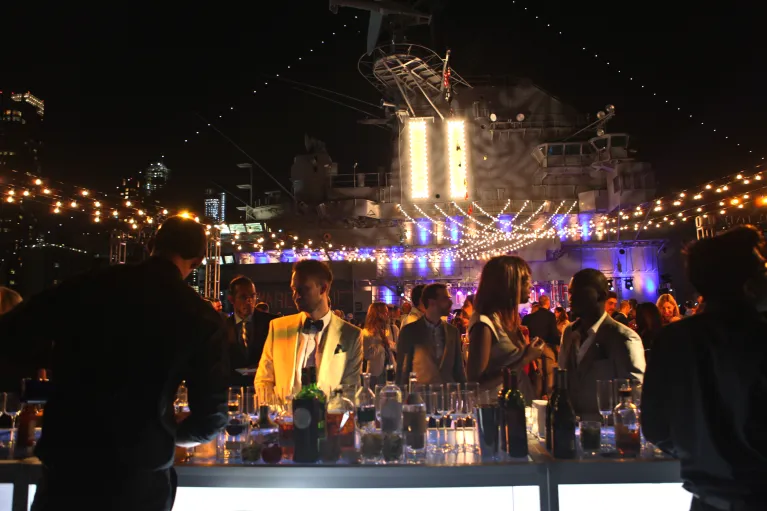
(414, 417)
(562, 420)
(306, 419)
(371, 442)
(181, 404)
(626, 418)
(501, 399)
(340, 420)
(365, 401)
(515, 423)
(391, 404)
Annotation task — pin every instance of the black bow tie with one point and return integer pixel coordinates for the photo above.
(316, 326)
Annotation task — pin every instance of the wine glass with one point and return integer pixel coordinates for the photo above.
(473, 388)
(12, 408)
(605, 401)
(250, 401)
(434, 406)
(234, 400)
(462, 403)
(450, 388)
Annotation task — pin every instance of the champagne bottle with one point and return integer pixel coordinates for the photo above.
(514, 420)
(562, 420)
(306, 419)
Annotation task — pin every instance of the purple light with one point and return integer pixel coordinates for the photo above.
(541, 290)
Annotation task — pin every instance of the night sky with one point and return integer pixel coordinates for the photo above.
(124, 86)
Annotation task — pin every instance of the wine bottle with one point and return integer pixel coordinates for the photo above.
(562, 420)
(501, 399)
(514, 420)
(322, 400)
(306, 418)
(414, 417)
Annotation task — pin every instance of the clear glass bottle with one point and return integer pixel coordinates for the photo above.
(371, 441)
(414, 418)
(340, 426)
(626, 419)
(391, 417)
(181, 404)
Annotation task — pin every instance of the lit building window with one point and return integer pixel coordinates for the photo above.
(457, 160)
(419, 159)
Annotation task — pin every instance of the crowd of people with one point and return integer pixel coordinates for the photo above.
(146, 331)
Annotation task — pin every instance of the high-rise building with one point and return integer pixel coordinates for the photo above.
(21, 122)
(215, 206)
(130, 189)
(155, 177)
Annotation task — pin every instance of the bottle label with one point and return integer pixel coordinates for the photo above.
(302, 418)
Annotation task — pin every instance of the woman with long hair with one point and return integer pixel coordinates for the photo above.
(378, 342)
(669, 310)
(649, 323)
(495, 337)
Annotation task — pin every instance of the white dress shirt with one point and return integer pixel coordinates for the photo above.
(589, 340)
(310, 342)
(437, 336)
(414, 316)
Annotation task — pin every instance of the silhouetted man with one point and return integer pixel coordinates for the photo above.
(543, 323)
(704, 394)
(123, 339)
(248, 327)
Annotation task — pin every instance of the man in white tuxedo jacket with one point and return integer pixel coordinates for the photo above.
(596, 347)
(313, 337)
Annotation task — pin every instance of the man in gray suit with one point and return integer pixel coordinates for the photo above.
(596, 347)
(429, 346)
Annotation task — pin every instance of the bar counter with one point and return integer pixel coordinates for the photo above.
(538, 483)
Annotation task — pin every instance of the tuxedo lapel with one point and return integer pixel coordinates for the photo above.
(290, 341)
(326, 378)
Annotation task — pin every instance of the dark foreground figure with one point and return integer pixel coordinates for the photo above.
(706, 384)
(118, 343)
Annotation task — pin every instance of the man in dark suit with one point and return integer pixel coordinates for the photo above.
(704, 393)
(248, 328)
(596, 347)
(121, 341)
(622, 314)
(429, 346)
(543, 323)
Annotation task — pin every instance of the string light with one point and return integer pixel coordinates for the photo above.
(676, 108)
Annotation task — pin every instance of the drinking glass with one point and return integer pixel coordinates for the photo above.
(12, 408)
(605, 399)
(473, 388)
(450, 388)
(234, 400)
(605, 403)
(250, 403)
(591, 436)
(462, 403)
(434, 406)
(488, 423)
